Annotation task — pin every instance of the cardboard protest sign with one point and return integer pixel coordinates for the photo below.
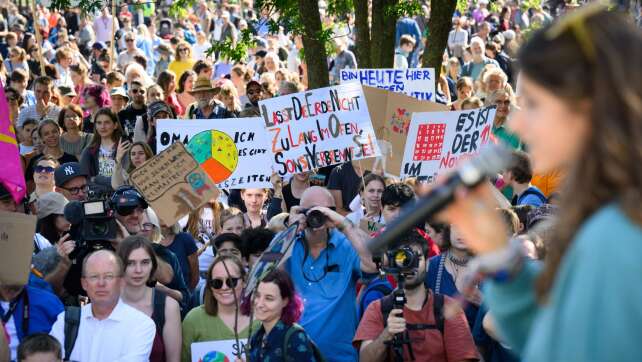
(418, 83)
(233, 152)
(16, 247)
(173, 183)
(317, 128)
(214, 351)
(438, 141)
(391, 113)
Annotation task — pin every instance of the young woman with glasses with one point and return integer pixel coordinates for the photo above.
(219, 316)
(73, 140)
(138, 291)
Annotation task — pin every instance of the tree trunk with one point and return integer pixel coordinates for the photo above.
(439, 26)
(377, 33)
(362, 29)
(387, 55)
(314, 49)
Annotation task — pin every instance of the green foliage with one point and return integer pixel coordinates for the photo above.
(85, 6)
(462, 6)
(234, 52)
(178, 9)
(340, 8)
(403, 9)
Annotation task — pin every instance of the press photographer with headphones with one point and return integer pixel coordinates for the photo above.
(429, 336)
(327, 259)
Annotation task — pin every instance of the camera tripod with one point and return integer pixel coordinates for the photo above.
(400, 339)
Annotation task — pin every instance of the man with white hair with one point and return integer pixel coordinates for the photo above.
(474, 68)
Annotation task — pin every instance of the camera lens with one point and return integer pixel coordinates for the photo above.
(315, 219)
(100, 229)
(404, 258)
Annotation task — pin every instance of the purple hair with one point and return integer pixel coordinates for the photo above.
(99, 93)
(293, 310)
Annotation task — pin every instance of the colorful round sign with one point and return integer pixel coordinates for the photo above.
(216, 152)
(215, 356)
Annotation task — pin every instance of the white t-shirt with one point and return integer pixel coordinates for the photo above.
(11, 331)
(41, 242)
(106, 162)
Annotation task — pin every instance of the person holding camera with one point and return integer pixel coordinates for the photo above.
(434, 326)
(327, 260)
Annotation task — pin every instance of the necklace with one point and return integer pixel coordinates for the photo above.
(456, 261)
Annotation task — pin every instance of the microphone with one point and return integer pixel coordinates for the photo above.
(490, 161)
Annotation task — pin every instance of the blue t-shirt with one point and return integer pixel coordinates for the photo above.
(492, 350)
(183, 246)
(329, 313)
(447, 286)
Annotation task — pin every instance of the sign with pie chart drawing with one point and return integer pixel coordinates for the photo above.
(234, 152)
(216, 153)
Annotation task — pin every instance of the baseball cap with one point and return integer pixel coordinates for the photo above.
(51, 203)
(67, 91)
(99, 45)
(159, 106)
(66, 172)
(126, 199)
(118, 91)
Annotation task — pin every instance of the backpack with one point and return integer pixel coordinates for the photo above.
(438, 310)
(72, 325)
(532, 191)
(318, 356)
(382, 287)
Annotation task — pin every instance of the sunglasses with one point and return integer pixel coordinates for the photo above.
(137, 91)
(128, 210)
(128, 40)
(218, 283)
(183, 50)
(44, 169)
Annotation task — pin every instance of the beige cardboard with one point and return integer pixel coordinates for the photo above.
(391, 114)
(16, 247)
(173, 183)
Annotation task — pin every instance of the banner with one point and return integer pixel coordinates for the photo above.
(437, 141)
(391, 113)
(12, 177)
(234, 152)
(173, 183)
(418, 83)
(215, 351)
(16, 247)
(318, 128)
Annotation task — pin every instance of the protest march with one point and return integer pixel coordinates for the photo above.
(320, 180)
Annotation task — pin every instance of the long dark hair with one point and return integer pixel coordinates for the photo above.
(118, 132)
(209, 301)
(594, 70)
(47, 228)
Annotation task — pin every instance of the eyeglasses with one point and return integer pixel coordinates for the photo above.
(71, 116)
(128, 210)
(218, 283)
(148, 226)
(95, 278)
(44, 169)
(137, 91)
(181, 50)
(75, 190)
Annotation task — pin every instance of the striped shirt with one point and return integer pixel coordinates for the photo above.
(31, 112)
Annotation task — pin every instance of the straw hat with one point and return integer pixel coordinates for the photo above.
(202, 84)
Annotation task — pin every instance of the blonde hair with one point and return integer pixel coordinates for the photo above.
(229, 214)
(229, 90)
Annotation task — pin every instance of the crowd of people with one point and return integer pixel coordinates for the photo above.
(85, 119)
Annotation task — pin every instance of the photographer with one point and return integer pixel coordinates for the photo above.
(327, 259)
(435, 331)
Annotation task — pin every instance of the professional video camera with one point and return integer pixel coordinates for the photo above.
(91, 220)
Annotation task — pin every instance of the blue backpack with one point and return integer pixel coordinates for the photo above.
(377, 285)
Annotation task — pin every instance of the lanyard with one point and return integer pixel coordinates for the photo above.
(25, 312)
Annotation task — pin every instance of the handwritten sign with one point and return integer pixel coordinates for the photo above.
(318, 128)
(16, 247)
(391, 114)
(437, 141)
(418, 83)
(234, 152)
(215, 350)
(173, 183)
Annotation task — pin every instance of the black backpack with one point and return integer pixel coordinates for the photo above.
(438, 309)
(318, 356)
